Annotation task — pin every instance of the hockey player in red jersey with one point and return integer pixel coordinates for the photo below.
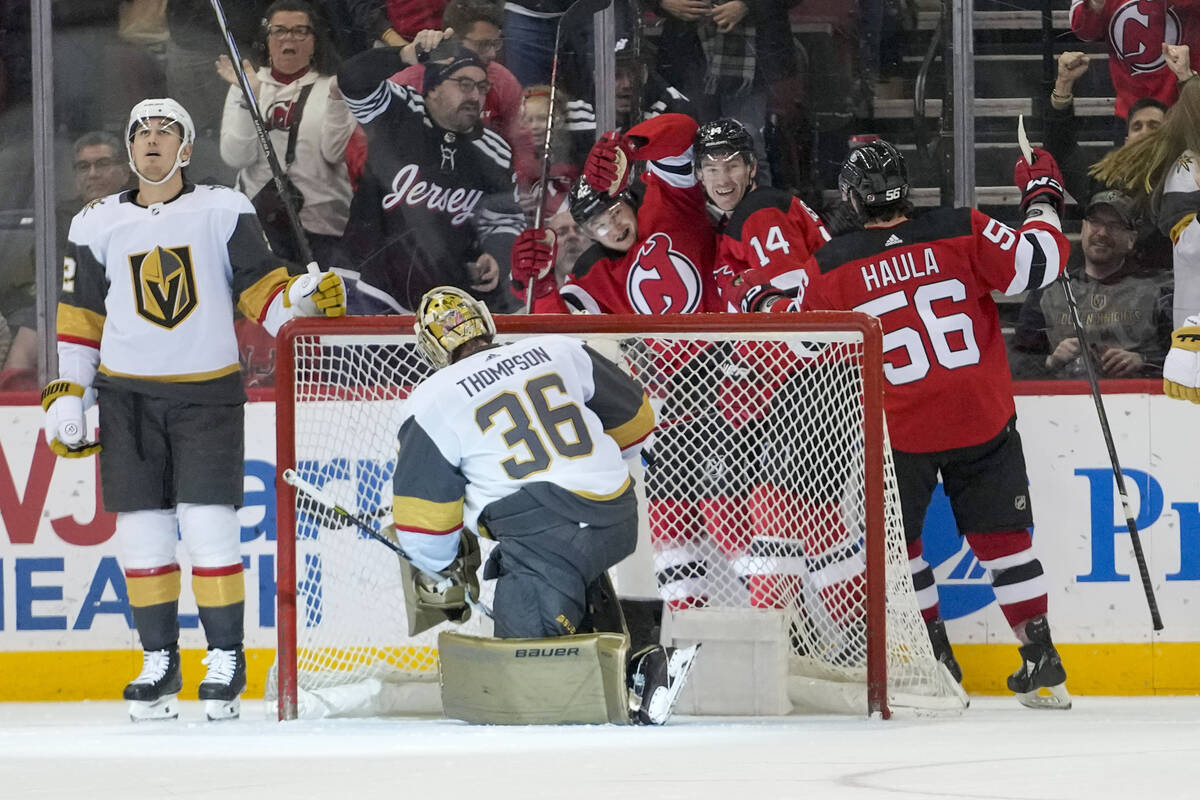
(794, 533)
(653, 243)
(652, 253)
(949, 399)
(759, 227)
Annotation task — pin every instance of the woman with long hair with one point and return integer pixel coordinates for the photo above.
(309, 126)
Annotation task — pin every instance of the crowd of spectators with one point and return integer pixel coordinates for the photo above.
(345, 159)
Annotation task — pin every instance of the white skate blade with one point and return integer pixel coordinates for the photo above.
(662, 703)
(164, 708)
(220, 710)
(1050, 698)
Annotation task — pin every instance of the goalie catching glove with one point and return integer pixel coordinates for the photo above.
(1181, 370)
(65, 403)
(431, 599)
(316, 295)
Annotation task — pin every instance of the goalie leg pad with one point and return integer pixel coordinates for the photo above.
(554, 681)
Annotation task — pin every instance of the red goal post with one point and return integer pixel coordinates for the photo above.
(340, 386)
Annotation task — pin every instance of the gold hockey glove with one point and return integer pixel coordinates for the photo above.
(316, 295)
(1181, 370)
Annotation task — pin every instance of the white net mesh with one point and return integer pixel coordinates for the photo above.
(754, 498)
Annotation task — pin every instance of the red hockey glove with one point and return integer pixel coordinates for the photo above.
(764, 297)
(1040, 181)
(608, 163)
(533, 255)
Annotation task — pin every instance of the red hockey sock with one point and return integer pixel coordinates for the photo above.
(1017, 577)
(679, 566)
(836, 561)
(924, 583)
(727, 523)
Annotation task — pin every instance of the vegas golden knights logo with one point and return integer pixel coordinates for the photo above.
(164, 285)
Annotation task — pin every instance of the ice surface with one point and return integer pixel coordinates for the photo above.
(1128, 748)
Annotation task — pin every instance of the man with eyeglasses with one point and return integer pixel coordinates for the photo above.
(478, 28)
(1124, 305)
(100, 169)
(436, 204)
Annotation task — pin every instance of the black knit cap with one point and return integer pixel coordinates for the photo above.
(438, 71)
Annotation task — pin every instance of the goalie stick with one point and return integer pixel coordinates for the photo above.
(264, 140)
(574, 15)
(292, 478)
(1086, 354)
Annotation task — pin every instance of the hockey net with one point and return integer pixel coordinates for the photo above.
(769, 487)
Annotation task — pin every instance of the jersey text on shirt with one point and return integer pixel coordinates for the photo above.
(898, 268)
(408, 190)
(477, 381)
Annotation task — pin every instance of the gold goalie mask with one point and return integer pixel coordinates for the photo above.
(447, 317)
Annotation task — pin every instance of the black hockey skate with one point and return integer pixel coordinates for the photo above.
(941, 648)
(1041, 669)
(154, 693)
(222, 687)
(657, 676)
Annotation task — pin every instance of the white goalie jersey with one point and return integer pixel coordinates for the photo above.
(152, 290)
(545, 409)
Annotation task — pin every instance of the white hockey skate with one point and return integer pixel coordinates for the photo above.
(659, 675)
(154, 693)
(222, 687)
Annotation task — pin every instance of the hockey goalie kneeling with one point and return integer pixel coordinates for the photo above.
(524, 443)
(577, 678)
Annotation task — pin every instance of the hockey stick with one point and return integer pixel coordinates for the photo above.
(264, 140)
(576, 13)
(292, 478)
(1086, 355)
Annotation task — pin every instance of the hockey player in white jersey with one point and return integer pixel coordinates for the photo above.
(523, 444)
(145, 328)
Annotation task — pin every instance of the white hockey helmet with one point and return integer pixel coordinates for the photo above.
(164, 108)
(447, 318)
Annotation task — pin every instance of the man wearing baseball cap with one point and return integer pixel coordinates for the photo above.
(1125, 308)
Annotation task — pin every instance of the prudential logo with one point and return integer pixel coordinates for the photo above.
(963, 584)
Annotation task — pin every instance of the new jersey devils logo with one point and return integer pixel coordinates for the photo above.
(662, 280)
(1137, 31)
(280, 115)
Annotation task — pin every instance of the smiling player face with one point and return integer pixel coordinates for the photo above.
(726, 179)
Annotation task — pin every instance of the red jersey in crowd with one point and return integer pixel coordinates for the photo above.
(409, 17)
(1135, 31)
